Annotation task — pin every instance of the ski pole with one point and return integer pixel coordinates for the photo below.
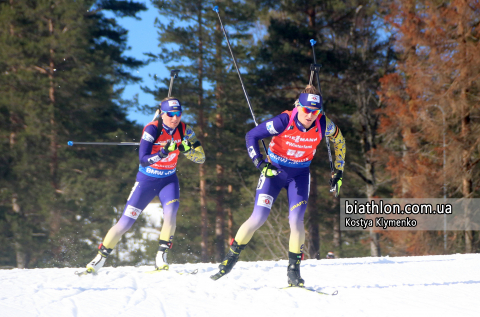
(316, 68)
(239, 76)
(72, 143)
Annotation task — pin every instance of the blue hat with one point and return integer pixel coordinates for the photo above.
(171, 105)
(311, 100)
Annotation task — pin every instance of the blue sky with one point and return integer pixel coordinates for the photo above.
(142, 38)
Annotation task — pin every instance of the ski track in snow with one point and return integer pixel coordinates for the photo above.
(402, 286)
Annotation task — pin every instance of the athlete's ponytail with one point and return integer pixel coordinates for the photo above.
(310, 89)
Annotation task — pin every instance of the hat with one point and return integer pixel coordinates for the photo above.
(171, 105)
(310, 100)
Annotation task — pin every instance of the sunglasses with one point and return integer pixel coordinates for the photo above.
(172, 114)
(314, 112)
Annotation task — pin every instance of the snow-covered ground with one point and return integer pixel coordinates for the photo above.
(402, 286)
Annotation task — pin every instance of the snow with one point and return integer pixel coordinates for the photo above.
(446, 285)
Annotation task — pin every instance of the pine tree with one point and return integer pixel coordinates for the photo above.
(60, 64)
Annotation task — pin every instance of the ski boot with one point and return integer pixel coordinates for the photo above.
(293, 271)
(229, 261)
(97, 263)
(161, 258)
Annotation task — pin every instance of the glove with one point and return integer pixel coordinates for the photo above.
(169, 147)
(268, 170)
(185, 146)
(336, 183)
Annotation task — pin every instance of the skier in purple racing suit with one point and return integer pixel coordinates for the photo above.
(162, 141)
(296, 135)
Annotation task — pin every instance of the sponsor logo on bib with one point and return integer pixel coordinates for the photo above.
(132, 212)
(265, 200)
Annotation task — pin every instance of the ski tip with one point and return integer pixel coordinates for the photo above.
(215, 8)
(313, 42)
(216, 276)
(70, 143)
(84, 272)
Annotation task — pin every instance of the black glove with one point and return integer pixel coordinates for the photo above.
(268, 170)
(169, 147)
(185, 146)
(336, 183)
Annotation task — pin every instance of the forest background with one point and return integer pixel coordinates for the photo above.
(400, 78)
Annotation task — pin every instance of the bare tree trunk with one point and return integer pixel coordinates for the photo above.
(371, 188)
(220, 216)
(55, 215)
(201, 136)
(20, 254)
(467, 184)
(219, 123)
(230, 217)
(204, 214)
(374, 236)
(369, 123)
(337, 234)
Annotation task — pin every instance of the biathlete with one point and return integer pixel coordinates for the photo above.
(296, 135)
(156, 177)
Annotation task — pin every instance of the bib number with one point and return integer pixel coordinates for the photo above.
(295, 153)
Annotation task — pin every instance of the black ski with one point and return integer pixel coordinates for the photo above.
(181, 273)
(84, 272)
(217, 276)
(335, 292)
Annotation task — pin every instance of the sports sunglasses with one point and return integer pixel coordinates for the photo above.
(172, 114)
(306, 110)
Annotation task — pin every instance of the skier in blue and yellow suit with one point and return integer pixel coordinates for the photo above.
(296, 135)
(162, 141)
